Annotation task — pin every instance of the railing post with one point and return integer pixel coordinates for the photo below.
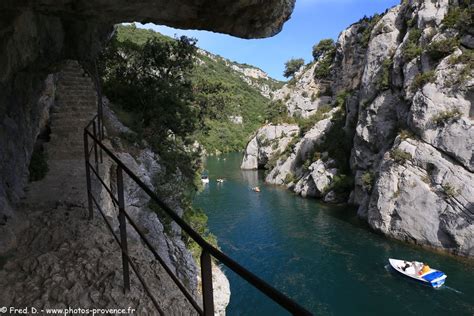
(88, 174)
(206, 280)
(123, 230)
(94, 132)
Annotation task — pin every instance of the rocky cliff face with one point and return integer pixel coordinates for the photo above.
(404, 84)
(265, 144)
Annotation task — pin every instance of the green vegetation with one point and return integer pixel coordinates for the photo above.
(324, 47)
(338, 144)
(217, 93)
(400, 156)
(324, 53)
(170, 100)
(466, 59)
(290, 177)
(404, 134)
(411, 49)
(383, 82)
(221, 93)
(423, 78)
(341, 98)
(368, 178)
(341, 183)
(305, 124)
(450, 190)
(336, 141)
(446, 116)
(292, 66)
(38, 165)
(367, 24)
(460, 17)
(197, 219)
(271, 163)
(440, 49)
(276, 112)
(149, 83)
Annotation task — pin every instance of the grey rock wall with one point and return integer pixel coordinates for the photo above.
(412, 121)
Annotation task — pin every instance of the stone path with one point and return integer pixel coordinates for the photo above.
(65, 260)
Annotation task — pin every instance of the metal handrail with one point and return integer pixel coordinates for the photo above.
(208, 250)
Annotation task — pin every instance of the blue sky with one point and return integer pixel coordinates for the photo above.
(311, 21)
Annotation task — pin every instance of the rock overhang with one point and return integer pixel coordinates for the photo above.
(241, 18)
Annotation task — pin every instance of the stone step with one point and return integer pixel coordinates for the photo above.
(69, 79)
(70, 121)
(57, 139)
(76, 88)
(60, 137)
(65, 153)
(74, 96)
(75, 107)
(76, 82)
(60, 104)
(73, 72)
(83, 117)
(73, 142)
(63, 128)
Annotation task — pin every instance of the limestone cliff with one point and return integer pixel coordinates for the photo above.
(396, 96)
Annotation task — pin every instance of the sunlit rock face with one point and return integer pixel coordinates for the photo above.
(409, 115)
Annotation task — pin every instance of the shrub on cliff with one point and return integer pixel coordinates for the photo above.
(323, 47)
(383, 82)
(446, 116)
(411, 49)
(440, 49)
(423, 78)
(366, 26)
(292, 66)
(460, 17)
(400, 156)
(325, 51)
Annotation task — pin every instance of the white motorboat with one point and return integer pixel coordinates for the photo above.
(204, 179)
(419, 271)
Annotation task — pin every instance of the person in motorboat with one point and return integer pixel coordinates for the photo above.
(425, 269)
(405, 265)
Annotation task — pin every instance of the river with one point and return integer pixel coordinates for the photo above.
(321, 255)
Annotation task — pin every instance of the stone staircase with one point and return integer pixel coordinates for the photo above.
(62, 259)
(75, 106)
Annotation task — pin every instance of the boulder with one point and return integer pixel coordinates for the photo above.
(267, 141)
(427, 199)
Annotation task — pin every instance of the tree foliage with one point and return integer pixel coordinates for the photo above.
(292, 66)
(324, 46)
(151, 83)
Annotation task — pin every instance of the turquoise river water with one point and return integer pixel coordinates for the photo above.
(321, 255)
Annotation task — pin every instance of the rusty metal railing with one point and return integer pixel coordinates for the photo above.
(208, 251)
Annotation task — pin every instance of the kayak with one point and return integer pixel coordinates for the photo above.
(419, 272)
